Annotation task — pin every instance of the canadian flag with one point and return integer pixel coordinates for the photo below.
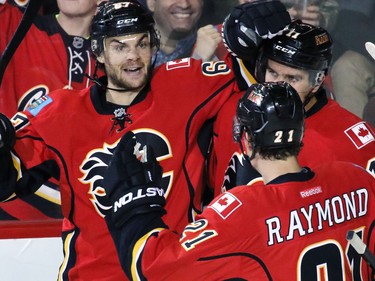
(184, 62)
(360, 134)
(226, 205)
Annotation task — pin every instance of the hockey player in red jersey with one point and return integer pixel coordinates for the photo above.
(54, 54)
(291, 227)
(70, 135)
(300, 56)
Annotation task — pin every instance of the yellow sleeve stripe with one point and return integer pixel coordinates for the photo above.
(17, 165)
(67, 245)
(49, 194)
(246, 75)
(137, 251)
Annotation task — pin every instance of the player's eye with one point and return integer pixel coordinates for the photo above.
(119, 48)
(144, 44)
(272, 72)
(292, 79)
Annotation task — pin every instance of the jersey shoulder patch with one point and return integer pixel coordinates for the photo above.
(225, 205)
(360, 134)
(39, 104)
(180, 63)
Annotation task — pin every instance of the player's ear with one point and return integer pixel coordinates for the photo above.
(151, 5)
(247, 144)
(100, 58)
(315, 88)
(319, 79)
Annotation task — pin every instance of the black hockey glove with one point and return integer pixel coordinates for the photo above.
(249, 23)
(7, 134)
(133, 186)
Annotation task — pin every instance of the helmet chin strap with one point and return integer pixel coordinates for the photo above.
(318, 81)
(101, 85)
(309, 96)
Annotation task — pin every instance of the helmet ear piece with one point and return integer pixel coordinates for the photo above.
(237, 130)
(319, 78)
(155, 38)
(96, 47)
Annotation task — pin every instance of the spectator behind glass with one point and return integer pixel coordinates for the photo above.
(54, 54)
(369, 110)
(177, 22)
(353, 71)
(315, 12)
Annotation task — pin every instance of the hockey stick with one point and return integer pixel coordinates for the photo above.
(370, 47)
(361, 248)
(24, 25)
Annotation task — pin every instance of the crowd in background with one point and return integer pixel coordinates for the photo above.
(351, 25)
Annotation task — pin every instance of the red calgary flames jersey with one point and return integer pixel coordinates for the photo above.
(292, 229)
(78, 130)
(47, 59)
(331, 133)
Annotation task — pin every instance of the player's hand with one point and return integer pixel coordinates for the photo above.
(249, 23)
(7, 134)
(208, 38)
(133, 186)
(311, 15)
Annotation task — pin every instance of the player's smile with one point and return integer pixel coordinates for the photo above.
(182, 18)
(132, 70)
(182, 14)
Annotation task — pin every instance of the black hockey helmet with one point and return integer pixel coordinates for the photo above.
(301, 46)
(116, 18)
(272, 114)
